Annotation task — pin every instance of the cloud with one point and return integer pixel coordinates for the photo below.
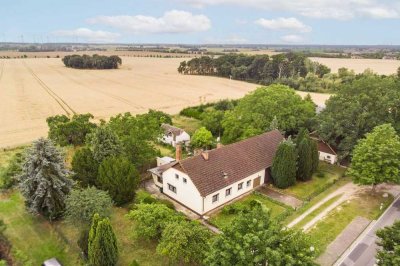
(283, 24)
(88, 34)
(322, 9)
(174, 21)
(292, 38)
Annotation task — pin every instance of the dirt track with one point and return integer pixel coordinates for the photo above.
(33, 89)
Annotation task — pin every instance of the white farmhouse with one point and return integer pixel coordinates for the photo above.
(174, 135)
(213, 178)
(325, 151)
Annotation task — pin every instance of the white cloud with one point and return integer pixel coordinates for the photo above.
(292, 38)
(174, 21)
(283, 24)
(88, 34)
(323, 9)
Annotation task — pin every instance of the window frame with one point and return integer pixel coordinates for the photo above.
(240, 186)
(228, 192)
(176, 176)
(172, 188)
(248, 183)
(215, 198)
(184, 180)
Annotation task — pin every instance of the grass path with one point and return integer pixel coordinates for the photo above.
(347, 190)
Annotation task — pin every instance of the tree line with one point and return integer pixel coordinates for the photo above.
(262, 69)
(92, 62)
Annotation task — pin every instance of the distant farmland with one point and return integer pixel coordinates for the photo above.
(380, 66)
(33, 89)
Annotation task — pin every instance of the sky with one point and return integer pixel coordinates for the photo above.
(335, 22)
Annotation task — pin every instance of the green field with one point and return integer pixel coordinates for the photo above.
(186, 123)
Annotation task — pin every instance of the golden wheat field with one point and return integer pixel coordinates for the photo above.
(33, 89)
(380, 66)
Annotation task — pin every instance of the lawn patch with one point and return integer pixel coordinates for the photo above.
(225, 216)
(366, 204)
(326, 175)
(190, 125)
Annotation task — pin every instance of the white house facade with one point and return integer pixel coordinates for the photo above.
(173, 135)
(213, 178)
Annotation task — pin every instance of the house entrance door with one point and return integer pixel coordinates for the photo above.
(256, 181)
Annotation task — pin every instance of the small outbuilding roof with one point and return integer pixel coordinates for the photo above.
(171, 129)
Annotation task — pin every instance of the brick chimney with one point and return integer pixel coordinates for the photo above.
(178, 152)
(204, 154)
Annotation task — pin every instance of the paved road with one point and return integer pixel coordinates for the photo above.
(364, 251)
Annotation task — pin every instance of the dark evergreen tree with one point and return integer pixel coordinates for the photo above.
(44, 181)
(314, 155)
(103, 249)
(305, 163)
(283, 169)
(105, 143)
(119, 177)
(85, 167)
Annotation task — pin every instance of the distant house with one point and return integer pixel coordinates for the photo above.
(325, 151)
(213, 178)
(174, 135)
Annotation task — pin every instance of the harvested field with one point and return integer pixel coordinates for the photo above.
(380, 66)
(33, 89)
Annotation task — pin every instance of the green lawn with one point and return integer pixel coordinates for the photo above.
(33, 239)
(186, 123)
(308, 204)
(317, 211)
(365, 205)
(221, 219)
(324, 177)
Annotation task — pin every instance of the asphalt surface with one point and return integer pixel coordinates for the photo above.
(363, 253)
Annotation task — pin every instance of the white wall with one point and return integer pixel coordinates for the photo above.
(222, 199)
(326, 157)
(186, 193)
(169, 139)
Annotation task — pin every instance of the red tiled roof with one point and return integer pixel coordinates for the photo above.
(237, 161)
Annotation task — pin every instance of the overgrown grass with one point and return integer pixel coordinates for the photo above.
(222, 219)
(186, 123)
(326, 175)
(317, 211)
(308, 204)
(33, 239)
(366, 204)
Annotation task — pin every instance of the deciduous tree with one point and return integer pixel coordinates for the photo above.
(184, 242)
(255, 112)
(389, 240)
(376, 158)
(202, 138)
(104, 143)
(255, 239)
(81, 205)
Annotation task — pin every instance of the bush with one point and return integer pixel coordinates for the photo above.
(144, 197)
(320, 174)
(10, 176)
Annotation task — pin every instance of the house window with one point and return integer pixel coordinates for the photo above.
(184, 180)
(248, 183)
(240, 186)
(228, 192)
(328, 156)
(172, 188)
(215, 198)
(159, 179)
(176, 176)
